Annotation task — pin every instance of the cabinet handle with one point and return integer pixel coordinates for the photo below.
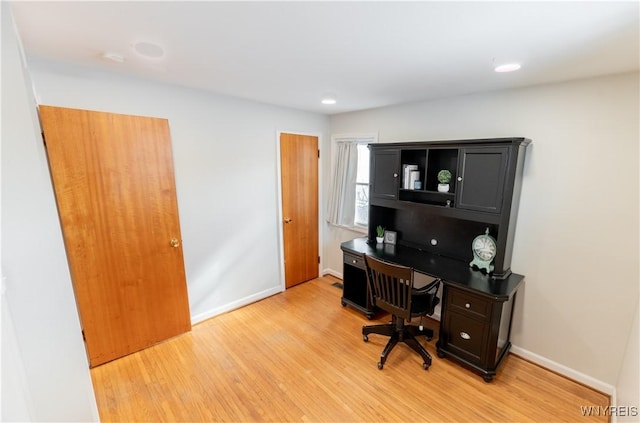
(459, 178)
(465, 335)
(354, 261)
(395, 175)
(467, 305)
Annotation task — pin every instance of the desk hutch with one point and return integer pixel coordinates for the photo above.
(434, 235)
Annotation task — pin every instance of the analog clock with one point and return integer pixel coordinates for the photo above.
(484, 251)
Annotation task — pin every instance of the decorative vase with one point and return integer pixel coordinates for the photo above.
(379, 239)
(443, 187)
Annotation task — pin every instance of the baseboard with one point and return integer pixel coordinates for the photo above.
(248, 300)
(235, 304)
(332, 273)
(565, 371)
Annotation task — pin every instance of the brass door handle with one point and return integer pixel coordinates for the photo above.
(287, 220)
(175, 243)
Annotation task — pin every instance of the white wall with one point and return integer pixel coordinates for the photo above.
(225, 155)
(627, 390)
(45, 373)
(16, 404)
(577, 232)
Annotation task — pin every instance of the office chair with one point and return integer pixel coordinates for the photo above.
(391, 287)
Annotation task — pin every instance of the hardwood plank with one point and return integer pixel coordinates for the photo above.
(299, 356)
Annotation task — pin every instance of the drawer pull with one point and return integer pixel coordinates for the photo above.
(467, 305)
(465, 335)
(354, 261)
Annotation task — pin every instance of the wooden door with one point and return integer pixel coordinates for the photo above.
(115, 189)
(299, 171)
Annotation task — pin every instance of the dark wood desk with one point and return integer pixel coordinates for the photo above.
(476, 313)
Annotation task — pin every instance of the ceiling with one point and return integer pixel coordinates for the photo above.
(366, 54)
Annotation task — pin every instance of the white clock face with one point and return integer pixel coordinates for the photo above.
(484, 248)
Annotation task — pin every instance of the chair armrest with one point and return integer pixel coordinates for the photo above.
(427, 295)
(430, 289)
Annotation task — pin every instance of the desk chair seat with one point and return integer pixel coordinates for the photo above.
(391, 287)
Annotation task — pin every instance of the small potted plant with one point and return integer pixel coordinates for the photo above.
(444, 177)
(380, 234)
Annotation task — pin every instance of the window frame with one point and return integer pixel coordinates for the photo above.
(357, 224)
(358, 138)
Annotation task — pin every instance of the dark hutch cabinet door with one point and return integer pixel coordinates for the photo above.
(481, 178)
(385, 173)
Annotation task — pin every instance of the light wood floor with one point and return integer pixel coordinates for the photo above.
(299, 356)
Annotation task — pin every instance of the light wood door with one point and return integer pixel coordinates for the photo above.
(115, 189)
(299, 171)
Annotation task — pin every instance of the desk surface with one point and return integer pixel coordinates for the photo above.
(451, 271)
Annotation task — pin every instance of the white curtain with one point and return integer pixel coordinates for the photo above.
(342, 203)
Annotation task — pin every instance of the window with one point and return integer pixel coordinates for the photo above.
(348, 204)
(362, 187)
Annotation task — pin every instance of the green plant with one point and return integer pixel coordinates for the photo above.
(444, 176)
(380, 231)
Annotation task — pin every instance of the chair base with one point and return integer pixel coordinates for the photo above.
(397, 331)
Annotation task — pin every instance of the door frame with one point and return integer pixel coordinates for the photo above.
(279, 200)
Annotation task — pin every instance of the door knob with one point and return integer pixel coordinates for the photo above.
(287, 220)
(175, 243)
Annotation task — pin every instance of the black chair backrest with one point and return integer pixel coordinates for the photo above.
(390, 285)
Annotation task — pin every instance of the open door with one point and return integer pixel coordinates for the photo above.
(115, 189)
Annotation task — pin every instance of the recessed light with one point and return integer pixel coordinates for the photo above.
(114, 57)
(329, 100)
(146, 49)
(507, 67)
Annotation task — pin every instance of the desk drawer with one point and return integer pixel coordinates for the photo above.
(468, 304)
(467, 337)
(353, 260)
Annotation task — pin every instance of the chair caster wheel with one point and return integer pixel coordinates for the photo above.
(380, 365)
(425, 366)
(365, 338)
